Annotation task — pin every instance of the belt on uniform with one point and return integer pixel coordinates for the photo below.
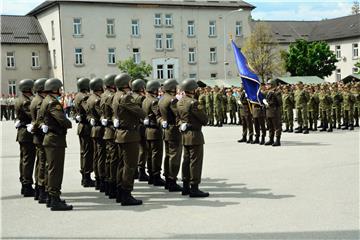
(128, 128)
(152, 126)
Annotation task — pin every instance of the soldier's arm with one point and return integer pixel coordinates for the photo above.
(58, 114)
(128, 103)
(198, 112)
(155, 109)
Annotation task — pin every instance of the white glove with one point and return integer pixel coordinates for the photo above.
(78, 118)
(265, 102)
(29, 127)
(146, 121)
(44, 128)
(116, 123)
(164, 124)
(183, 127)
(239, 102)
(17, 124)
(104, 122)
(92, 122)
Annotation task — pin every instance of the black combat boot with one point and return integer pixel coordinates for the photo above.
(242, 140)
(143, 177)
(299, 130)
(345, 127)
(291, 130)
(330, 129)
(286, 129)
(22, 189)
(158, 181)
(128, 200)
(277, 142)
(88, 182)
(356, 123)
(136, 174)
(28, 191)
(339, 126)
(315, 128)
(119, 193)
(106, 184)
(270, 142)
(306, 131)
(262, 142)
(167, 183)
(310, 128)
(102, 185)
(250, 140)
(323, 129)
(97, 183)
(257, 140)
(351, 127)
(42, 195)
(186, 188)
(195, 192)
(36, 192)
(173, 186)
(48, 201)
(58, 205)
(151, 179)
(82, 179)
(112, 190)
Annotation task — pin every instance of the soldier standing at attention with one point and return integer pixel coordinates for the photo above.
(4, 107)
(127, 115)
(202, 98)
(109, 135)
(259, 123)
(38, 137)
(172, 137)
(209, 103)
(349, 101)
(138, 88)
(192, 118)
(153, 132)
(325, 106)
(288, 106)
(231, 106)
(218, 99)
(336, 107)
(55, 125)
(301, 100)
(246, 119)
(24, 137)
(312, 107)
(84, 131)
(11, 107)
(97, 133)
(355, 91)
(224, 105)
(273, 113)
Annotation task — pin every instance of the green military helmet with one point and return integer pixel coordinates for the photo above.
(153, 86)
(109, 80)
(170, 85)
(272, 83)
(188, 85)
(138, 85)
(83, 84)
(26, 85)
(96, 84)
(53, 84)
(39, 84)
(122, 80)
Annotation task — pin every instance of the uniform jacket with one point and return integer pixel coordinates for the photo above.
(273, 109)
(169, 113)
(81, 109)
(22, 109)
(151, 109)
(139, 98)
(107, 113)
(34, 108)
(94, 112)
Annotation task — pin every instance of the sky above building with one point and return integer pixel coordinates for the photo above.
(265, 9)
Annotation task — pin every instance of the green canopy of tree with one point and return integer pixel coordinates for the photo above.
(140, 70)
(310, 59)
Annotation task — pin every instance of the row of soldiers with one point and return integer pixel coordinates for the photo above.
(122, 125)
(7, 107)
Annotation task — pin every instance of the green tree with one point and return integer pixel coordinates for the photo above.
(262, 54)
(310, 59)
(140, 70)
(355, 9)
(358, 66)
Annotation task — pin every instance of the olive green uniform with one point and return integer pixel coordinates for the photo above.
(246, 119)
(218, 108)
(301, 100)
(224, 107)
(325, 106)
(231, 108)
(313, 108)
(349, 102)
(258, 114)
(273, 113)
(336, 108)
(209, 104)
(288, 112)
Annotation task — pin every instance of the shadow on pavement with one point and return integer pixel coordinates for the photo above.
(297, 143)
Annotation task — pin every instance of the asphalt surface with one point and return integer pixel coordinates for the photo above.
(306, 189)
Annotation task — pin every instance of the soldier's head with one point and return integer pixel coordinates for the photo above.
(83, 84)
(170, 85)
(189, 86)
(153, 86)
(271, 84)
(122, 82)
(300, 85)
(216, 89)
(53, 86)
(96, 84)
(138, 85)
(109, 81)
(26, 85)
(39, 85)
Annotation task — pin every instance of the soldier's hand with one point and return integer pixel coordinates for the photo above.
(44, 128)
(183, 127)
(17, 124)
(78, 118)
(92, 122)
(29, 127)
(116, 123)
(104, 122)
(146, 121)
(164, 124)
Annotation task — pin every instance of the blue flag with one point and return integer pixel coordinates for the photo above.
(249, 79)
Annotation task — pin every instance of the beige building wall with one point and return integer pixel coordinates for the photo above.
(23, 66)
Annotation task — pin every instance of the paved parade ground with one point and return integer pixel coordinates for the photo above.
(306, 189)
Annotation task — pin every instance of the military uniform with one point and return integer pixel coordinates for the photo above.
(288, 112)
(209, 106)
(273, 114)
(349, 102)
(246, 119)
(218, 113)
(326, 106)
(313, 108)
(336, 108)
(301, 100)
(4, 108)
(231, 108)
(11, 108)
(258, 114)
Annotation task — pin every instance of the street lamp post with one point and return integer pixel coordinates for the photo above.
(224, 28)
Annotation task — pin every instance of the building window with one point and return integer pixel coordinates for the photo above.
(110, 27)
(213, 75)
(54, 58)
(170, 71)
(213, 58)
(212, 29)
(157, 19)
(35, 63)
(49, 59)
(77, 26)
(10, 59)
(338, 51)
(191, 29)
(160, 71)
(338, 75)
(238, 28)
(79, 56)
(192, 75)
(355, 50)
(168, 20)
(52, 30)
(191, 55)
(169, 41)
(12, 87)
(136, 55)
(111, 56)
(135, 28)
(158, 41)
